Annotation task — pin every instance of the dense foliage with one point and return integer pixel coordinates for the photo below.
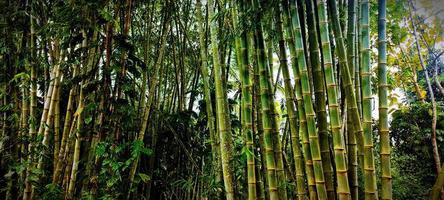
(215, 99)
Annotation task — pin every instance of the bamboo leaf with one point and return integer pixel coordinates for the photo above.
(144, 177)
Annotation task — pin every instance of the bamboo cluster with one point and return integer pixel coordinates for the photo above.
(98, 105)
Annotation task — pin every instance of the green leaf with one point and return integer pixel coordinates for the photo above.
(100, 149)
(22, 75)
(106, 15)
(88, 119)
(144, 177)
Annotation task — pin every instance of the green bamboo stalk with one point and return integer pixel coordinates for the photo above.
(386, 176)
(351, 53)
(223, 122)
(357, 68)
(69, 151)
(47, 104)
(207, 93)
(309, 113)
(320, 99)
(352, 157)
(351, 35)
(278, 154)
(266, 113)
(297, 60)
(370, 187)
(76, 154)
(357, 85)
(247, 98)
(43, 123)
(246, 108)
(24, 124)
(275, 125)
(258, 115)
(290, 99)
(346, 77)
(343, 189)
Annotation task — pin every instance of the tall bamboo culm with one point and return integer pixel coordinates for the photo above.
(211, 123)
(345, 75)
(309, 113)
(351, 53)
(277, 146)
(370, 188)
(320, 98)
(343, 189)
(266, 113)
(246, 106)
(290, 101)
(32, 106)
(298, 60)
(223, 123)
(386, 175)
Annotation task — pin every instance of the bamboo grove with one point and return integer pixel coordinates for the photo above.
(194, 99)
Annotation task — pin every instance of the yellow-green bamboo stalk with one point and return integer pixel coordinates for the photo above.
(223, 122)
(370, 188)
(277, 146)
(320, 99)
(246, 108)
(215, 149)
(266, 113)
(351, 55)
(343, 189)
(290, 100)
(298, 59)
(69, 151)
(78, 127)
(65, 134)
(346, 77)
(309, 113)
(262, 173)
(50, 118)
(24, 118)
(32, 104)
(56, 129)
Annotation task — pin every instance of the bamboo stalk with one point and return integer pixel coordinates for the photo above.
(299, 61)
(50, 118)
(290, 100)
(370, 188)
(215, 149)
(352, 59)
(343, 189)
(383, 126)
(267, 118)
(320, 99)
(309, 113)
(56, 128)
(246, 110)
(223, 122)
